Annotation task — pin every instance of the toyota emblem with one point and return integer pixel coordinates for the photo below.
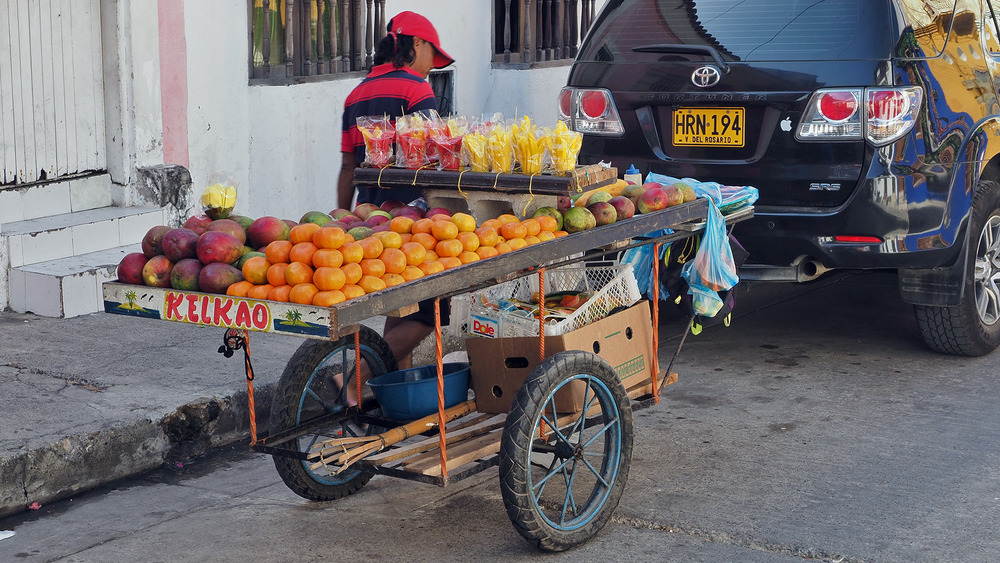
(706, 76)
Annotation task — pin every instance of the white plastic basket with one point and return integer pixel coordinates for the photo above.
(610, 284)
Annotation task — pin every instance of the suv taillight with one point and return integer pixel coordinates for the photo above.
(589, 110)
(886, 114)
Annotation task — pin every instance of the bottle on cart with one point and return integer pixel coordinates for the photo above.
(633, 175)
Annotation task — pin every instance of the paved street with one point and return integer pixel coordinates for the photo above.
(817, 426)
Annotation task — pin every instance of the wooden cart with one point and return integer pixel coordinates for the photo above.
(562, 472)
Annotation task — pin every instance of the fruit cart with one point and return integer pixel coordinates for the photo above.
(563, 444)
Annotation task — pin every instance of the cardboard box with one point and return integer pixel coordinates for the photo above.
(500, 365)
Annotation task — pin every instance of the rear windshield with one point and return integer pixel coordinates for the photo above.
(747, 30)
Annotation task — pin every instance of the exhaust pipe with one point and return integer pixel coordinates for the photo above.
(803, 269)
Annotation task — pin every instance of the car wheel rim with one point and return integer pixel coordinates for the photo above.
(987, 272)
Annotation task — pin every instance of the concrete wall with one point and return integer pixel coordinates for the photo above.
(281, 144)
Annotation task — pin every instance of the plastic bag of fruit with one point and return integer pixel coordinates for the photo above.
(219, 197)
(446, 137)
(379, 133)
(529, 146)
(412, 141)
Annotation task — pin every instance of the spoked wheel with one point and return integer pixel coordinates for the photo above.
(563, 473)
(307, 390)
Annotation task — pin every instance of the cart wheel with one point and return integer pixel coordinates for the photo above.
(306, 391)
(562, 474)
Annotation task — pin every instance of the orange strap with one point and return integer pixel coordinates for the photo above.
(357, 365)
(656, 320)
(438, 354)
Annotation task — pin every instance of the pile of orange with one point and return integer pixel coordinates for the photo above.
(324, 266)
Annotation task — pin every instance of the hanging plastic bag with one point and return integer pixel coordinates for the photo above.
(713, 268)
(641, 259)
(379, 133)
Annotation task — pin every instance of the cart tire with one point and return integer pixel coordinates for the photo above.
(560, 491)
(305, 391)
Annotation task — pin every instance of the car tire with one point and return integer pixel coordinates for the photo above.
(972, 327)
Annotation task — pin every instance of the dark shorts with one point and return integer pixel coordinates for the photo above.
(425, 314)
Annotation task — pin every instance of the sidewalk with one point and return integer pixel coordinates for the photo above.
(92, 399)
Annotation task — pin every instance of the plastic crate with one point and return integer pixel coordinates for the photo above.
(610, 284)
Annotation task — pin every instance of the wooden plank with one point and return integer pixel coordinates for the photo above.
(20, 61)
(464, 452)
(8, 154)
(59, 88)
(453, 436)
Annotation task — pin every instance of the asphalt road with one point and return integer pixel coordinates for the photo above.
(817, 426)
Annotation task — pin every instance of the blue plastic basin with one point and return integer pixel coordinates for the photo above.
(410, 394)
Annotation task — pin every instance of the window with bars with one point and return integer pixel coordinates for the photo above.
(535, 31)
(291, 39)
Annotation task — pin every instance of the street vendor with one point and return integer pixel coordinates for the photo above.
(397, 85)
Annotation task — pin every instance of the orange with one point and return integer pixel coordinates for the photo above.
(450, 248)
(348, 237)
(327, 257)
(298, 272)
(450, 262)
(487, 251)
(531, 239)
(407, 237)
(303, 233)
(276, 274)
(503, 247)
(495, 223)
(468, 256)
(532, 225)
(422, 226)
(302, 293)
(508, 218)
(560, 234)
(547, 223)
(415, 253)
(470, 240)
(513, 230)
(401, 225)
(352, 272)
(329, 298)
(373, 267)
(394, 260)
(353, 252)
(372, 247)
(255, 270)
(239, 289)
(546, 235)
(431, 267)
(371, 284)
(516, 243)
(302, 252)
(440, 217)
(279, 293)
(431, 256)
(277, 251)
(465, 222)
(393, 279)
(259, 291)
(444, 230)
(351, 291)
(328, 278)
(390, 239)
(425, 240)
(411, 273)
(487, 235)
(329, 237)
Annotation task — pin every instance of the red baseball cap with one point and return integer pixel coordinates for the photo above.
(412, 23)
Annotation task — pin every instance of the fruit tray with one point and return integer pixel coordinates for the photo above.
(583, 178)
(609, 285)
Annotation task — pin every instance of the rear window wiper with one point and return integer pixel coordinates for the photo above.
(684, 50)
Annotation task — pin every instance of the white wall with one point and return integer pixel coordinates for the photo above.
(282, 143)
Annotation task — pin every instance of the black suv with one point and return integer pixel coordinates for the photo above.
(869, 127)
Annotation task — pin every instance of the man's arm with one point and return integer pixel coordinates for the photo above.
(345, 188)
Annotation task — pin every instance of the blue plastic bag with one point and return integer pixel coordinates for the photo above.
(641, 259)
(713, 269)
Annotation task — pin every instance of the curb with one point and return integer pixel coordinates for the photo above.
(84, 461)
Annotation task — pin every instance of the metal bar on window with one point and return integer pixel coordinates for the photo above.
(290, 35)
(506, 31)
(334, 54)
(320, 44)
(368, 34)
(306, 36)
(266, 39)
(560, 35)
(573, 20)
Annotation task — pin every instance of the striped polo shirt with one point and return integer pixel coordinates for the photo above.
(385, 91)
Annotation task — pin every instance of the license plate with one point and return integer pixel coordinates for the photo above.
(709, 127)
